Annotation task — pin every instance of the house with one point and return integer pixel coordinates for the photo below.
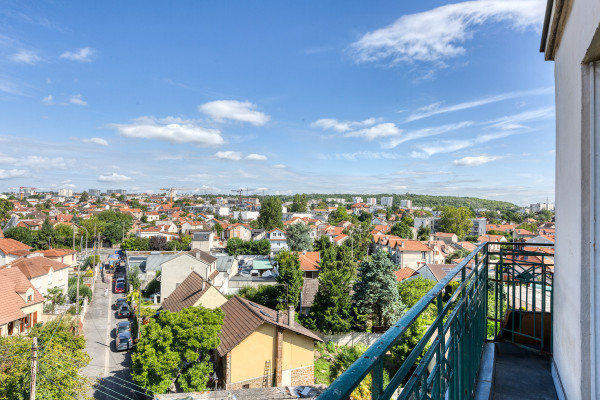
(11, 249)
(175, 270)
(500, 227)
(540, 239)
(21, 305)
(66, 256)
(278, 240)
(194, 291)
(152, 216)
(309, 263)
(43, 273)
(436, 272)
(491, 238)
(202, 240)
(260, 346)
(240, 231)
(159, 231)
(227, 266)
(448, 238)
(404, 252)
(258, 234)
(405, 273)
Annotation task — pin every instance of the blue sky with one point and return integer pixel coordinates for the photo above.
(429, 97)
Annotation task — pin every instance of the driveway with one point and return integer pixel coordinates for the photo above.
(108, 368)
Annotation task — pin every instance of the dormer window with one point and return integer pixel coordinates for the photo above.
(29, 298)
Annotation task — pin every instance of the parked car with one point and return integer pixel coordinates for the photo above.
(124, 311)
(123, 326)
(124, 341)
(120, 286)
(119, 303)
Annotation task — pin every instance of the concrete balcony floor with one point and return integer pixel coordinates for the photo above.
(521, 374)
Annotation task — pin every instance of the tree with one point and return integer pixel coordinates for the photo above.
(55, 296)
(84, 197)
(298, 237)
(544, 216)
(456, 220)
(376, 292)
(236, 246)
(218, 229)
(338, 216)
(114, 232)
(332, 308)
(408, 220)
(133, 278)
(299, 204)
(270, 213)
(322, 205)
(460, 253)
(136, 244)
(412, 290)
(290, 274)
(63, 235)
(175, 347)
(21, 234)
(59, 362)
(402, 230)
(45, 235)
(266, 295)
(158, 243)
(5, 208)
(322, 243)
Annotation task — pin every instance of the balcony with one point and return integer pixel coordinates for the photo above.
(504, 301)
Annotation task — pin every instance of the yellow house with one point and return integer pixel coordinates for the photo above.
(21, 305)
(194, 291)
(261, 347)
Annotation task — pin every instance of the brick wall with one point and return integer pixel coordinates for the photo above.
(252, 383)
(303, 376)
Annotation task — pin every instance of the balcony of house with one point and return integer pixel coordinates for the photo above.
(491, 337)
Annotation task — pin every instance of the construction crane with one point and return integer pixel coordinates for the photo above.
(241, 190)
(171, 190)
(22, 190)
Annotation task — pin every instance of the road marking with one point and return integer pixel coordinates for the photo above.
(108, 328)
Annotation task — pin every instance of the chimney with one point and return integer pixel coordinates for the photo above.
(291, 315)
(280, 316)
(203, 284)
(402, 243)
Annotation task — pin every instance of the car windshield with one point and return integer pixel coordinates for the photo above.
(124, 335)
(120, 284)
(123, 325)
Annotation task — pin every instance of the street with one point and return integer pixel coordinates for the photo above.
(108, 369)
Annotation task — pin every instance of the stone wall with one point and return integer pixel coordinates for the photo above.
(303, 376)
(252, 383)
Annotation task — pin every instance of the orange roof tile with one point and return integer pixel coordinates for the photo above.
(13, 282)
(404, 273)
(11, 246)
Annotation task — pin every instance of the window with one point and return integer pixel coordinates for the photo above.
(423, 255)
(246, 386)
(29, 298)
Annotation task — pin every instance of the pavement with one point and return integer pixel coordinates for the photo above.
(108, 369)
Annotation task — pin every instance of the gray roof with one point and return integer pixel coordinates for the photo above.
(154, 261)
(202, 236)
(224, 263)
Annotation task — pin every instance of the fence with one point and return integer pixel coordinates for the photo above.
(352, 338)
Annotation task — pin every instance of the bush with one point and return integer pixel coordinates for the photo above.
(151, 288)
(330, 346)
(84, 291)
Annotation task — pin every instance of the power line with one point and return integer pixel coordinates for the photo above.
(58, 387)
(126, 387)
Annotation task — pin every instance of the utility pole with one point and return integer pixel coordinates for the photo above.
(77, 296)
(34, 349)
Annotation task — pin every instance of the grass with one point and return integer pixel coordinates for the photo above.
(322, 371)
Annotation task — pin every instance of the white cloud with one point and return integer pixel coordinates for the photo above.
(48, 100)
(35, 162)
(170, 129)
(359, 155)
(256, 157)
(242, 111)
(25, 57)
(515, 121)
(229, 155)
(82, 55)
(114, 177)
(425, 132)
(95, 140)
(440, 33)
(386, 129)
(342, 126)
(169, 157)
(76, 99)
(476, 161)
(448, 146)
(280, 166)
(12, 173)
(435, 108)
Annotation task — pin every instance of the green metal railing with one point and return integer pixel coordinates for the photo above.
(511, 278)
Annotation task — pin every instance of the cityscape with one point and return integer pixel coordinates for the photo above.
(299, 200)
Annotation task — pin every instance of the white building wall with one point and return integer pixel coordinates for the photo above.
(571, 333)
(387, 201)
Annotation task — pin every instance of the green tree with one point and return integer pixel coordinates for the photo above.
(322, 243)
(270, 213)
(290, 274)
(412, 290)
(298, 237)
(133, 278)
(409, 340)
(332, 309)
(21, 234)
(456, 220)
(218, 229)
(322, 205)
(115, 232)
(529, 226)
(402, 230)
(63, 235)
(376, 292)
(176, 347)
(235, 246)
(136, 244)
(544, 216)
(45, 235)
(266, 295)
(5, 208)
(408, 220)
(460, 253)
(84, 198)
(299, 204)
(339, 215)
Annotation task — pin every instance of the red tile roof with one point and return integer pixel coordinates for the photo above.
(32, 267)
(309, 261)
(13, 282)
(56, 252)
(404, 273)
(11, 246)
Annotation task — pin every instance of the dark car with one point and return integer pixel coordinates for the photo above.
(120, 286)
(124, 341)
(119, 303)
(123, 326)
(124, 311)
